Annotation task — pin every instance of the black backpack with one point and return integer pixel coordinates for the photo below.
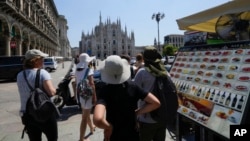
(39, 106)
(164, 89)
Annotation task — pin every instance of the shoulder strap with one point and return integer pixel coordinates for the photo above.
(86, 74)
(37, 78)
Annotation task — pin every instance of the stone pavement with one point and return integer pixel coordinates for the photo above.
(68, 124)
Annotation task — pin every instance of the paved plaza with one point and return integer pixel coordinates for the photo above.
(68, 124)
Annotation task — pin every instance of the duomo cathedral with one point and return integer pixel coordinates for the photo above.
(107, 39)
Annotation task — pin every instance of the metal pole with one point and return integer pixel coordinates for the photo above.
(158, 36)
(158, 16)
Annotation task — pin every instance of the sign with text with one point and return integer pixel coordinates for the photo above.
(213, 85)
(239, 132)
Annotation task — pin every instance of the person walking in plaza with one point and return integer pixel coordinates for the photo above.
(32, 62)
(73, 82)
(139, 62)
(150, 130)
(127, 57)
(116, 109)
(86, 104)
(76, 59)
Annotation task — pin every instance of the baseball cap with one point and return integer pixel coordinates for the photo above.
(34, 53)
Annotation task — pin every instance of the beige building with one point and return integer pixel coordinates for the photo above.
(138, 49)
(29, 24)
(64, 43)
(177, 40)
(74, 51)
(107, 39)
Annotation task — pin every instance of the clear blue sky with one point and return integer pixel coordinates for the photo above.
(83, 16)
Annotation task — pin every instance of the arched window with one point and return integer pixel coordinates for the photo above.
(1, 26)
(26, 8)
(13, 31)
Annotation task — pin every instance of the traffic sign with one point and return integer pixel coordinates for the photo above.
(12, 44)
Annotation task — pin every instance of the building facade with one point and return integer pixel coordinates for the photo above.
(74, 51)
(107, 39)
(29, 24)
(176, 40)
(64, 44)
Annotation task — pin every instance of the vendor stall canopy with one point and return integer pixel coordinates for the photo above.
(222, 19)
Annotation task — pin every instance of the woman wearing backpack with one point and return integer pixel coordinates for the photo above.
(150, 130)
(86, 104)
(116, 108)
(34, 61)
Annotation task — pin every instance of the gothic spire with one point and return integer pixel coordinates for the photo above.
(100, 18)
(82, 34)
(126, 30)
(132, 35)
(155, 42)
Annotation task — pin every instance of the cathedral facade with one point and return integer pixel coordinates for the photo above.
(107, 39)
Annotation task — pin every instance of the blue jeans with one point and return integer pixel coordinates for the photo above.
(152, 131)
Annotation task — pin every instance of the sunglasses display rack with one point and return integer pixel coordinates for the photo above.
(213, 83)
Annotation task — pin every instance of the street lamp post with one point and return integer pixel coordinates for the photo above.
(158, 16)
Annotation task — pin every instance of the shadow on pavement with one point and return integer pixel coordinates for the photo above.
(7, 81)
(69, 111)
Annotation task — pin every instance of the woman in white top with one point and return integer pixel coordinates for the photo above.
(86, 105)
(34, 61)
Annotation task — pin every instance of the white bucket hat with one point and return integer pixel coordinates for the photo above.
(33, 53)
(115, 70)
(84, 60)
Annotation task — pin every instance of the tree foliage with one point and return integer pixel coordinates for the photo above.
(169, 50)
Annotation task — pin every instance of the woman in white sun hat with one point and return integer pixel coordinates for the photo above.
(116, 107)
(86, 105)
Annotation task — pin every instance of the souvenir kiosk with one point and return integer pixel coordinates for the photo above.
(213, 83)
(213, 80)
